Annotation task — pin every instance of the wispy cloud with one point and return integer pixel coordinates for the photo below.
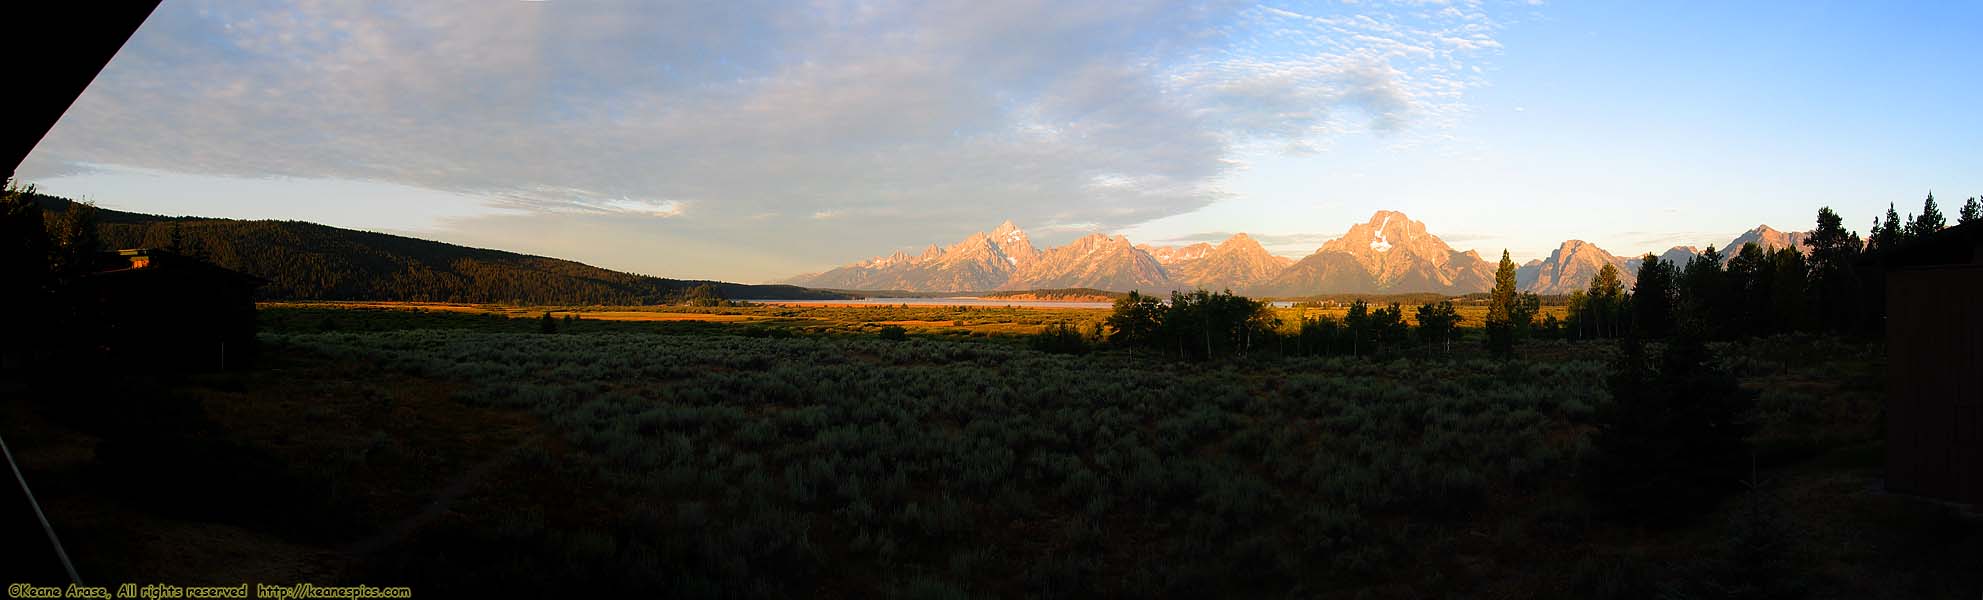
(927, 119)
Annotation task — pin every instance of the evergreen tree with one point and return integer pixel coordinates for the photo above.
(1606, 300)
(24, 269)
(1387, 327)
(1833, 284)
(1579, 321)
(1748, 290)
(1437, 323)
(73, 241)
(1357, 322)
(1522, 315)
(1972, 211)
(547, 324)
(1654, 298)
(1789, 299)
(1501, 308)
(1319, 335)
(1702, 309)
(1930, 220)
(1550, 327)
(1888, 234)
(24, 249)
(703, 295)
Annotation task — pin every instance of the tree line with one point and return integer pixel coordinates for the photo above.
(1833, 287)
(1203, 324)
(1757, 291)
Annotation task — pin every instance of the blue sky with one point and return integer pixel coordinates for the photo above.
(751, 141)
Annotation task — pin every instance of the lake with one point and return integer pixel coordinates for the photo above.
(960, 301)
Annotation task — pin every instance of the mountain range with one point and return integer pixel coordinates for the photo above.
(1239, 262)
(1388, 254)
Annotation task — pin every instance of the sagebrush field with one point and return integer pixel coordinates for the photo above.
(459, 451)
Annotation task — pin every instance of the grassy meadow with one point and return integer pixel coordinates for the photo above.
(777, 451)
(802, 318)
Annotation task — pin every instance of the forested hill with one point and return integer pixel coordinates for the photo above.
(307, 261)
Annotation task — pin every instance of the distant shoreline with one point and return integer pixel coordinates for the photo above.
(968, 301)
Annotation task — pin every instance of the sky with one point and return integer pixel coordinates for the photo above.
(753, 141)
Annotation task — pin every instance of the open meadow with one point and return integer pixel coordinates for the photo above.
(802, 453)
(817, 318)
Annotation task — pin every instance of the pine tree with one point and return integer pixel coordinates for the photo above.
(1436, 323)
(1789, 300)
(1522, 314)
(1887, 233)
(1501, 308)
(73, 240)
(547, 324)
(1971, 212)
(1579, 318)
(1833, 283)
(24, 268)
(1606, 298)
(1930, 220)
(1357, 321)
(1748, 291)
(703, 295)
(1654, 298)
(1387, 327)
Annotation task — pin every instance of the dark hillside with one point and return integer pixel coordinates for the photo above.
(308, 261)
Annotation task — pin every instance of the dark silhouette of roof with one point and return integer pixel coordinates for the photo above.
(1958, 245)
(152, 262)
(54, 50)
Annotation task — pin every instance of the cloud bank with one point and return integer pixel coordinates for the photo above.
(773, 123)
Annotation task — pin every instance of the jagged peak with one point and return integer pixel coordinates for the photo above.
(1572, 247)
(1384, 215)
(1241, 240)
(979, 239)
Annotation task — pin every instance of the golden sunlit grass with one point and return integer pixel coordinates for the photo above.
(435, 306)
(637, 315)
(974, 320)
(980, 320)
